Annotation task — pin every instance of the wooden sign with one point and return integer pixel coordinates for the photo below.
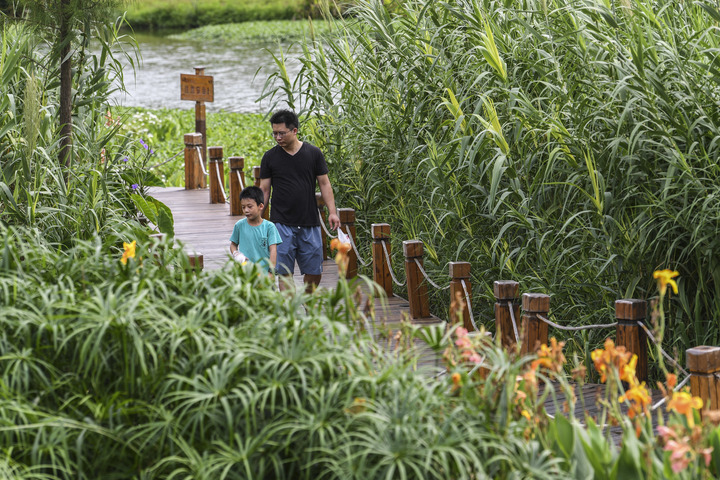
(198, 88)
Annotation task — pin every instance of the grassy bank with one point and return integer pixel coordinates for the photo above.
(240, 134)
(184, 14)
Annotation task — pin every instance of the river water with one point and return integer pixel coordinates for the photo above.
(239, 72)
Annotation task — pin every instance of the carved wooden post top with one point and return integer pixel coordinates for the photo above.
(459, 270)
(506, 289)
(199, 70)
(193, 139)
(237, 163)
(703, 359)
(256, 172)
(347, 215)
(412, 248)
(380, 231)
(215, 153)
(535, 302)
(630, 309)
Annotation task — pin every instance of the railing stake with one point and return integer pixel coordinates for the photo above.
(194, 178)
(704, 365)
(534, 331)
(237, 165)
(460, 271)
(506, 291)
(381, 270)
(630, 335)
(416, 286)
(216, 169)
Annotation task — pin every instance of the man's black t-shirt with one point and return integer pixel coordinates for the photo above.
(293, 179)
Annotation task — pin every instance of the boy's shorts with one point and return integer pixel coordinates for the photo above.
(303, 244)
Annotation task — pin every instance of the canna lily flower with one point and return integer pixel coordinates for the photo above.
(671, 381)
(628, 372)
(639, 400)
(681, 455)
(611, 356)
(526, 414)
(129, 252)
(665, 278)
(684, 404)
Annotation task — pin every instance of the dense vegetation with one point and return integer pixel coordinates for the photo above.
(571, 146)
(185, 14)
(120, 361)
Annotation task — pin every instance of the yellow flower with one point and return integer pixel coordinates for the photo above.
(526, 414)
(628, 372)
(665, 277)
(684, 404)
(129, 252)
(609, 357)
(639, 399)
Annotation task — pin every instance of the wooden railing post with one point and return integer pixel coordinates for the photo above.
(416, 285)
(534, 330)
(630, 335)
(381, 269)
(323, 218)
(196, 261)
(216, 170)
(347, 223)
(193, 172)
(704, 364)
(256, 175)
(459, 273)
(237, 164)
(506, 291)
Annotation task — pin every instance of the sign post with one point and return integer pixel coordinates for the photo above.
(198, 87)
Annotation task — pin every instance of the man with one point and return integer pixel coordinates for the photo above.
(292, 169)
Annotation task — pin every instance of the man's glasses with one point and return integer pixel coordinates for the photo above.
(280, 134)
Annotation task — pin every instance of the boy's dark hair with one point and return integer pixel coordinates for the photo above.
(287, 117)
(253, 193)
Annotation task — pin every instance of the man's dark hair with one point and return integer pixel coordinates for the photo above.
(253, 193)
(287, 117)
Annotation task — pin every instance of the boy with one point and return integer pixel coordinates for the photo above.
(257, 238)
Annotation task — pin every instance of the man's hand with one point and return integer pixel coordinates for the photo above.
(334, 221)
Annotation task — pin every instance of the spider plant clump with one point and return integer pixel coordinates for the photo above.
(571, 146)
(128, 364)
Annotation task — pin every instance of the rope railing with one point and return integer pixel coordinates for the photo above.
(168, 160)
(202, 165)
(664, 354)
(514, 322)
(422, 270)
(357, 254)
(469, 306)
(221, 181)
(582, 327)
(239, 177)
(389, 264)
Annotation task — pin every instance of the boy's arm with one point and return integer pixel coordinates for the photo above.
(233, 248)
(273, 255)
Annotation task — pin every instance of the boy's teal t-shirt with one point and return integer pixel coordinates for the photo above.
(254, 241)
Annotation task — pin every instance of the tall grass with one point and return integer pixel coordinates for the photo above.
(571, 146)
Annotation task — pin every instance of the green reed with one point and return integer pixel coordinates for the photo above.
(568, 146)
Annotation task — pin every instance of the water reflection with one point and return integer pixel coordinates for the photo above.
(239, 73)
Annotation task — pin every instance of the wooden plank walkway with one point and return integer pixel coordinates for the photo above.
(205, 228)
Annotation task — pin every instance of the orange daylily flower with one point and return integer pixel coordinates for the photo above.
(665, 278)
(129, 252)
(684, 404)
(639, 399)
(610, 356)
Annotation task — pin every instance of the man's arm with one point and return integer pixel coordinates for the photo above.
(265, 184)
(327, 195)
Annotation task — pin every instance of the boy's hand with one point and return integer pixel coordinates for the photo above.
(239, 257)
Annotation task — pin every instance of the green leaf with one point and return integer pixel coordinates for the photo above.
(715, 442)
(628, 463)
(564, 436)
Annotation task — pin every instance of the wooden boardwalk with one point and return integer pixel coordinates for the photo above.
(205, 228)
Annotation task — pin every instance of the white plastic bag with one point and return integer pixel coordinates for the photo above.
(343, 237)
(239, 257)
